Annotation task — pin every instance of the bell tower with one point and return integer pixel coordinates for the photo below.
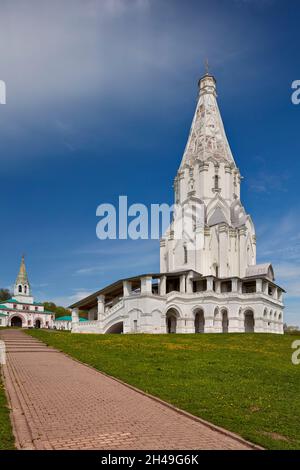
(22, 289)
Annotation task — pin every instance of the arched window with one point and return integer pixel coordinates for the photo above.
(20, 288)
(25, 289)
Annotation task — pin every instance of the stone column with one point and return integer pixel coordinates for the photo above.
(163, 285)
(146, 285)
(189, 283)
(101, 307)
(75, 315)
(209, 319)
(235, 285)
(243, 250)
(259, 285)
(210, 283)
(127, 286)
(182, 284)
(228, 182)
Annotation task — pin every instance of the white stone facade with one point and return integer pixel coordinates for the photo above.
(208, 178)
(148, 304)
(213, 283)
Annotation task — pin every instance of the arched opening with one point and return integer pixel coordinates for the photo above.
(16, 322)
(20, 288)
(224, 321)
(117, 328)
(25, 289)
(37, 323)
(249, 321)
(171, 321)
(199, 321)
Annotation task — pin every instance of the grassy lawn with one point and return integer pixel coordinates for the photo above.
(245, 383)
(6, 436)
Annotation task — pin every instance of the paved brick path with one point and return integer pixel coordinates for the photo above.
(59, 403)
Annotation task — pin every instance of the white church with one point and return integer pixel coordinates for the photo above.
(21, 310)
(212, 285)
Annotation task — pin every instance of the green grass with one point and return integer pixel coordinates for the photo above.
(245, 383)
(6, 435)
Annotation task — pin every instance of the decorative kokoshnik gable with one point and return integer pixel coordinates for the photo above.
(212, 285)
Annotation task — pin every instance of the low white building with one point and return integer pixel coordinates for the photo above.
(21, 310)
(213, 283)
(65, 322)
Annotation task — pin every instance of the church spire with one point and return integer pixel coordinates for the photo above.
(22, 285)
(22, 276)
(207, 138)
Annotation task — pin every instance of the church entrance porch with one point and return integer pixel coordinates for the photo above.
(16, 322)
(171, 321)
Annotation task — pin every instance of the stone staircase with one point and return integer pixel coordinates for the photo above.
(16, 342)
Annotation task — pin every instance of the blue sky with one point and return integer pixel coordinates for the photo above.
(100, 97)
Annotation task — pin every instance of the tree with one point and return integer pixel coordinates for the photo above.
(59, 311)
(5, 294)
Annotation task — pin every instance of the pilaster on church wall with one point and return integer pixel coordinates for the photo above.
(180, 186)
(204, 179)
(206, 258)
(209, 318)
(171, 247)
(254, 247)
(243, 251)
(228, 182)
(238, 185)
(198, 181)
(234, 318)
(162, 255)
(199, 252)
(223, 250)
(219, 170)
(183, 177)
(210, 181)
(259, 320)
(233, 252)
